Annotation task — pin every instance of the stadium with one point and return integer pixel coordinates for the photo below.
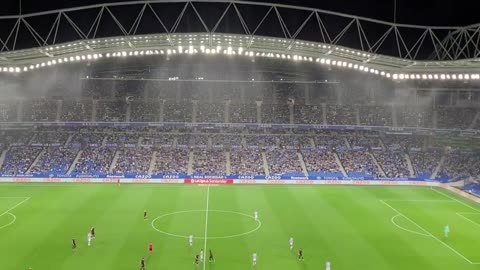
(237, 130)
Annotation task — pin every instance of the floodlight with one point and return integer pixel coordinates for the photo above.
(382, 73)
(65, 60)
(435, 76)
(401, 76)
(135, 53)
(37, 65)
(361, 68)
(355, 66)
(339, 63)
(32, 67)
(328, 61)
(11, 69)
(460, 76)
(454, 76)
(180, 49)
(25, 69)
(108, 55)
(412, 76)
(417, 76)
(376, 72)
(54, 62)
(95, 56)
(466, 76)
(17, 69)
(60, 61)
(143, 52)
(424, 76)
(395, 76)
(344, 64)
(448, 76)
(388, 75)
(83, 57)
(442, 76)
(430, 76)
(49, 63)
(5, 69)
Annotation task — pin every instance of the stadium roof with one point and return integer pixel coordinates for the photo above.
(235, 27)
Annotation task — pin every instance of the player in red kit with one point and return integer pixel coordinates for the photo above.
(150, 248)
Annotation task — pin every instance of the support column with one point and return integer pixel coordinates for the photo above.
(259, 111)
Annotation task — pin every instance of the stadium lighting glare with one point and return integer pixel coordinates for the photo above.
(417, 76)
(82, 57)
(60, 61)
(442, 76)
(466, 76)
(25, 69)
(395, 76)
(430, 76)
(95, 56)
(135, 53)
(143, 52)
(54, 62)
(17, 69)
(401, 76)
(207, 51)
(37, 65)
(49, 63)
(344, 64)
(42, 64)
(361, 68)
(435, 76)
(376, 72)
(180, 49)
(412, 76)
(328, 61)
(31, 67)
(388, 75)
(202, 48)
(454, 76)
(170, 51)
(11, 69)
(322, 61)
(108, 55)
(355, 66)
(334, 63)
(382, 73)
(424, 76)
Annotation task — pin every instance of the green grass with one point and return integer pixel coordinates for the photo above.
(350, 226)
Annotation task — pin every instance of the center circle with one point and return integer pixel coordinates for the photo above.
(234, 218)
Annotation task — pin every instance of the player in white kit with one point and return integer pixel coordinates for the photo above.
(255, 215)
(201, 255)
(290, 241)
(89, 238)
(254, 259)
(190, 240)
(327, 265)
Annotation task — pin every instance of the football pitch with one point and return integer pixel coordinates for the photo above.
(355, 228)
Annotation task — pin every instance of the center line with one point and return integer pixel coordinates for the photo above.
(206, 229)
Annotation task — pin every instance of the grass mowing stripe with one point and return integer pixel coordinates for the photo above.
(431, 235)
(206, 229)
(15, 206)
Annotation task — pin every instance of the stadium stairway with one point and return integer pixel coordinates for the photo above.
(37, 158)
(2, 157)
(439, 167)
(340, 165)
(475, 120)
(114, 161)
(190, 163)
(69, 139)
(153, 161)
(94, 110)
(302, 163)
(324, 113)
(265, 164)
(375, 161)
(410, 165)
(380, 141)
(75, 161)
(347, 143)
(227, 163)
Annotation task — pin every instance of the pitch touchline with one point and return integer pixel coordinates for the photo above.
(427, 232)
(206, 229)
(453, 198)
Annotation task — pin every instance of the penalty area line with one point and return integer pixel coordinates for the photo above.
(15, 206)
(430, 234)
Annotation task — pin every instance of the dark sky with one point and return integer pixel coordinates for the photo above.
(425, 12)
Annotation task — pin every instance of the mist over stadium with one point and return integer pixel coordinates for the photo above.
(207, 104)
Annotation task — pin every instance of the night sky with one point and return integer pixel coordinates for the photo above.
(425, 12)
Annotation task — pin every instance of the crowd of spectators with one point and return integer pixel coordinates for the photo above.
(305, 114)
(19, 159)
(147, 111)
(209, 162)
(246, 162)
(403, 142)
(94, 161)
(122, 139)
(341, 115)
(410, 116)
(394, 164)
(8, 111)
(211, 113)
(133, 161)
(283, 161)
(459, 165)
(76, 111)
(425, 162)
(55, 160)
(358, 164)
(171, 161)
(320, 161)
(42, 110)
(243, 113)
(177, 112)
(375, 115)
(267, 141)
(50, 138)
(275, 114)
(461, 118)
(111, 111)
(363, 142)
